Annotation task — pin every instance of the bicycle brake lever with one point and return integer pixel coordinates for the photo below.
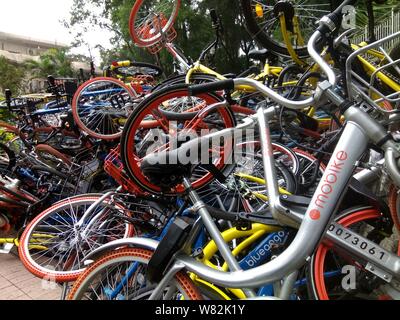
(340, 38)
(258, 218)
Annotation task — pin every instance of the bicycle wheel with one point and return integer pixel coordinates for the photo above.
(65, 242)
(121, 275)
(149, 127)
(262, 21)
(326, 281)
(150, 19)
(101, 106)
(394, 205)
(10, 136)
(127, 69)
(310, 172)
(244, 188)
(197, 78)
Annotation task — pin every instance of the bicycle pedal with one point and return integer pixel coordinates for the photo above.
(6, 248)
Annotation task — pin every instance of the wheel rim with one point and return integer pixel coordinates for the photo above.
(65, 243)
(101, 106)
(323, 249)
(140, 16)
(268, 22)
(149, 118)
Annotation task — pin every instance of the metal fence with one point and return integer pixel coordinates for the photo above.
(389, 26)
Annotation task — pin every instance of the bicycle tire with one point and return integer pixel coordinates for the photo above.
(319, 280)
(50, 170)
(8, 163)
(131, 255)
(394, 206)
(261, 37)
(41, 223)
(134, 123)
(50, 150)
(197, 78)
(79, 118)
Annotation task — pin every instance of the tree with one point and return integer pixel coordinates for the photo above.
(11, 76)
(193, 27)
(52, 62)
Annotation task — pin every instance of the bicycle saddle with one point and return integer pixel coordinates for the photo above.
(261, 55)
(168, 168)
(164, 169)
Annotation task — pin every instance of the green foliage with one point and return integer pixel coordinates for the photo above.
(53, 62)
(193, 27)
(382, 11)
(11, 76)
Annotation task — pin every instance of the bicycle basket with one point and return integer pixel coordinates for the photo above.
(153, 26)
(115, 168)
(379, 83)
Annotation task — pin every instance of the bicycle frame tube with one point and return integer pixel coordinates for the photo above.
(91, 209)
(288, 43)
(369, 175)
(179, 56)
(333, 184)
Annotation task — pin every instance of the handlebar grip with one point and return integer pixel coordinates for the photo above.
(51, 80)
(8, 95)
(211, 87)
(121, 64)
(214, 17)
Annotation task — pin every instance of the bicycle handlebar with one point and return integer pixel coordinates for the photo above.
(213, 86)
(292, 104)
(328, 25)
(214, 18)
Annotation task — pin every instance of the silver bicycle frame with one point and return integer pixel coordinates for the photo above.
(359, 130)
(332, 186)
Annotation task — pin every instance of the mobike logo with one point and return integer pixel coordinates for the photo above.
(329, 180)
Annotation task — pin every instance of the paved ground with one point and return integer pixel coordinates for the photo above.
(16, 283)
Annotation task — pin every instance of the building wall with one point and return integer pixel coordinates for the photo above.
(19, 49)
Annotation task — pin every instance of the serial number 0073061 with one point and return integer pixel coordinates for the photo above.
(361, 244)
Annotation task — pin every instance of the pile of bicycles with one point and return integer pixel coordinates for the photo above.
(279, 183)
